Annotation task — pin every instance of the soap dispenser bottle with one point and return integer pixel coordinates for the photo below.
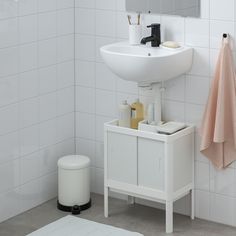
(124, 114)
(137, 114)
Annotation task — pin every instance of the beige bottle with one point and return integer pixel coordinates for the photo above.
(124, 114)
(137, 114)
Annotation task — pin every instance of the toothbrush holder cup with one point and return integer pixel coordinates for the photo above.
(135, 34)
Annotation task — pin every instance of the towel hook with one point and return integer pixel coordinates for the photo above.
(225, 35)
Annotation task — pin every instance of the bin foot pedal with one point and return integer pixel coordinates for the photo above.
(75, 210)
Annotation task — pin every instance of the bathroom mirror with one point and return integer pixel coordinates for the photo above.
(190, 8)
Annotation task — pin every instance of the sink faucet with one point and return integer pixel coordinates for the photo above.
(155, 38)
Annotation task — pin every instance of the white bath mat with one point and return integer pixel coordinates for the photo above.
(74, 226)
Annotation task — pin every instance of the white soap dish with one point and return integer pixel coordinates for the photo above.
(170, 127)
(171, 45)
(167, 128)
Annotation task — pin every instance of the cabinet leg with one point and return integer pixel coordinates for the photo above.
(169, 217)
(106, 201)
(131, 200)
(192, 204)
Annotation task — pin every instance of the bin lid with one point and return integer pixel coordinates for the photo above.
(73, 162)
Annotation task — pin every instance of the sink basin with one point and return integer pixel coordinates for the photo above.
(144, 64)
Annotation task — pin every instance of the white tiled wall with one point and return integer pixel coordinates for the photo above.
(36, 99)
(100, 22)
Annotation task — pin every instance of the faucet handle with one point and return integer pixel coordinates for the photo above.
(155, 25)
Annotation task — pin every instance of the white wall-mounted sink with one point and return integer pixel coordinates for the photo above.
(144, 64)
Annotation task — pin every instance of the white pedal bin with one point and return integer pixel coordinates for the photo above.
(74, 183)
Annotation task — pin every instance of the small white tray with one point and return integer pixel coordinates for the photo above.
(144, 126)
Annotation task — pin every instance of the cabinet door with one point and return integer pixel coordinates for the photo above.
(151, 164)
(122, 158)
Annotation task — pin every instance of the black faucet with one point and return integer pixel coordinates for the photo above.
(155, 38)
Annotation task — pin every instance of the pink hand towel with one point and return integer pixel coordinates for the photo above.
(218, 129)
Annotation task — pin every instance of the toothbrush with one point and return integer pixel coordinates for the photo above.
(129, 19)
(139, 19)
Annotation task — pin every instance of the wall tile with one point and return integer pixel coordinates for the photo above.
(28, 57)
(9, 9)
(65, 127)
(87, 95)
(202, 204)
(197, 32)
(105, 18)
(222, 209)
(85, 21)
(48, 106)
(85, 73)
(65, 48)
(47, 5)
(47, 77)
(217, 29)
(47, 52)
(100, 120)
(29, 112)
(9, 176)
(49, 186)
(194, 114)
(217, 13)
(9, 147)
(65, 22)
(87, 148)
(173, 28)
(194, 87)
(85, 3)
(105, 103)
(101, 41)
(47, 133)
(9, 61)
(223, 182)
(29, 140)
(27, 7)
(105, 79)
(48, 160)
(28, 84)
(173, 110)
(8, 90)
(120, 5)
(28, 28)
(36, 99)
(30, 195)
(122, 28)
(61, 4)
(9, 119)
(85, 47)
(174, 89)
(65, 101)
(65, 74)
(9, 32)
(47, 25)
(10, 204)
(201, 62)
(106, 4)
(85, 126)
(202, 176)
(30, 167)
(99, 155)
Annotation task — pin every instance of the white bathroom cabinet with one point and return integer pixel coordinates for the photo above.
(149, 165)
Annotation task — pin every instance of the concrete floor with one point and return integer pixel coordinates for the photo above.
(146, 220)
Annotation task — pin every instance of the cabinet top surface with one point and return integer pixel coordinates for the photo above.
(112, 126)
